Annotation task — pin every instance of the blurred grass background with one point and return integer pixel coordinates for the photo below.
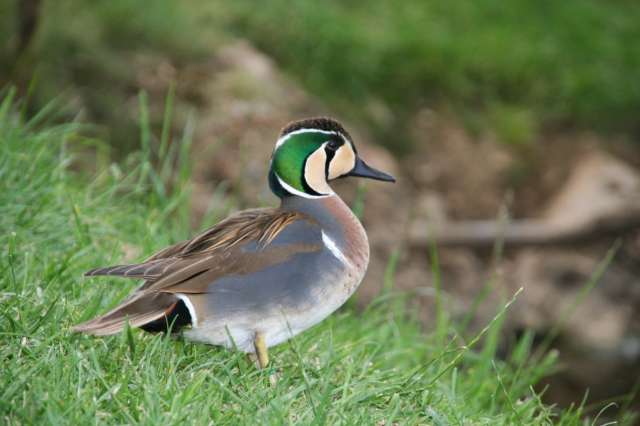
(513, 68)
(522, 64)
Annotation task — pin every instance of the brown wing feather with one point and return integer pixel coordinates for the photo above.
(261, 225)
(137, 310)
(195, 276)
(146, 270)
(190, 266)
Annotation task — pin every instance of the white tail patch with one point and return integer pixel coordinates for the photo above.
(333, 248)
(192, 310)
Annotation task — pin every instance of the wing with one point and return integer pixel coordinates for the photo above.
(197, 270)
(137, 310)
(258, 226)
(242, 245)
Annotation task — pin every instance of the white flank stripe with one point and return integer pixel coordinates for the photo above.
(333, 248)
(190, 308)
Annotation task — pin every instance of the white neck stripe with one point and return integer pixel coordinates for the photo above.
(291, 190)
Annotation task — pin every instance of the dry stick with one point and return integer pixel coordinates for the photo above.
(524, 232)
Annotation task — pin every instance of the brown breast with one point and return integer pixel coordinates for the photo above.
(352, 240)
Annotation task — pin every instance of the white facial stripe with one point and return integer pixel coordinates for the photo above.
(314, 171)
(293, 191)
(297, 132)
(192, 310)
(342, 162)
(333, 248)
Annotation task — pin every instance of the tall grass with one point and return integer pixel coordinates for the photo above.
(373, 367)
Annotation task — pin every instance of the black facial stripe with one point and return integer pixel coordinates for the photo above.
(330, 154)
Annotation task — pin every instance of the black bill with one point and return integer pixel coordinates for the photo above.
(362, 169)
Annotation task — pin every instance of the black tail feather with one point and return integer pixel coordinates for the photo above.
(139, 310)
(174, 320)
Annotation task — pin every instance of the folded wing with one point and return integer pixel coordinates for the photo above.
(241, 244)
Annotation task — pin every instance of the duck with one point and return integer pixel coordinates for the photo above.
(260, 276)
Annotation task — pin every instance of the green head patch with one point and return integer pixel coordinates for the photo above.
(289, 161)
(312, 152)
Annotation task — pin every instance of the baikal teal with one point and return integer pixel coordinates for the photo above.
(260, 276)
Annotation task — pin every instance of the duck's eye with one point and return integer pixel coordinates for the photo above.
(333, 144)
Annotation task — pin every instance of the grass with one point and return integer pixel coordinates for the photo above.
(373, 367)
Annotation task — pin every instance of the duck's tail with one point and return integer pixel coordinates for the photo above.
(146, 310)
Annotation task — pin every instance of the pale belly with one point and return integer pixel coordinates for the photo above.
(284, 300)
(278, 323)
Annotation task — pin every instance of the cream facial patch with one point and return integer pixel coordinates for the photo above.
(343, 161)
(314, 171)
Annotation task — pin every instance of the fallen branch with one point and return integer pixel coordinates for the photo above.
(522, 232)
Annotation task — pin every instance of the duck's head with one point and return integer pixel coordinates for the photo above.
(312, 152)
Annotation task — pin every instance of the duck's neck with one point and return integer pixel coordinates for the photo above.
(328, 211)
(337, 222)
